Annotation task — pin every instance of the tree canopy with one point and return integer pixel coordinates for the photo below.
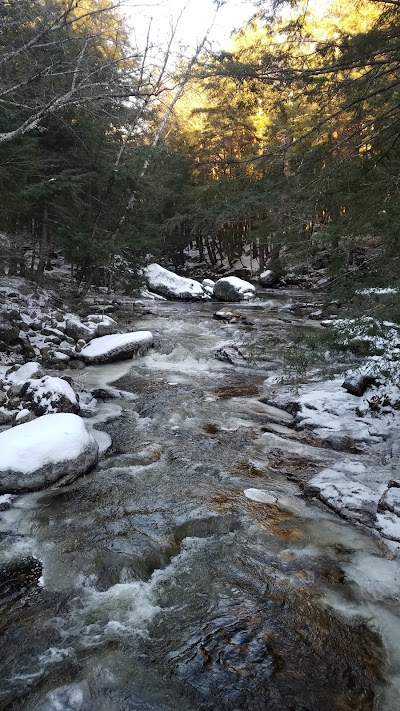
(285, 144)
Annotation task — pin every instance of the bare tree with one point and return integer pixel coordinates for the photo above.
(54, 55)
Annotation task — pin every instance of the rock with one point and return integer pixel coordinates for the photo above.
(22, 373)
(171, 285)
(17, 390)
(268, 279)
(24, 416)
(388, 516)
(81, 343)
(50, 395)
(316, 315)
(349, 498)
(76, 329)
(5, 417)
(3, 397)
(77, 364)
(9, 331)
(208, 283)
(52, 449)
(234, 289)
(358, 384)
(119, 346)
(231, 354)
(228, 316)
(104, 325)
(144, 457)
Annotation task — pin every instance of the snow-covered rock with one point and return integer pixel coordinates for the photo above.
(76, 329)
(146, 294)
(54, 448)
(267, 279)
(120, 346)
(50, 395)
(171, 285)
(234, 289)
(351, 499)
(103, 325)
(208, 283)
(22, 373)
(231, 354)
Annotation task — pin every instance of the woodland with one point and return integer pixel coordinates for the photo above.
(285, 147)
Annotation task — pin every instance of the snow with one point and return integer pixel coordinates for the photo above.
(50, 439)
(146, 294)
(345, 495)
(172, 285)
(22, 413)
(25, 372)
(49, 389)
(117, 345)
(376, 290)
(242, 287)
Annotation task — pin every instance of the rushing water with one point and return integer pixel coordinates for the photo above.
(155, 583)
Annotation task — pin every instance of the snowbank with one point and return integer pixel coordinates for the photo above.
(118, 346)
(171, 285)
(54, 448)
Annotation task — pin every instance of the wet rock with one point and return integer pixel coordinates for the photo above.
(145, 456)
(358, 384)
(230, 316)
(231, 354)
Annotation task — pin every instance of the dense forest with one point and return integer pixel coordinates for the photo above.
(284, 148)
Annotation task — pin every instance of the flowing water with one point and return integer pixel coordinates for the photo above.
(156, 583)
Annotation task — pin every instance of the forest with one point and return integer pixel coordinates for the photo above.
(284, 148)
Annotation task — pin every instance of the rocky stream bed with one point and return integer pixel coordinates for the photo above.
(236, 546)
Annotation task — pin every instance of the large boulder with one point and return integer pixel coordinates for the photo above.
(234, 289)
(52, 449)
(173, 286)
(119, 346)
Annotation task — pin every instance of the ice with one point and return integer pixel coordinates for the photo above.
(262, 497)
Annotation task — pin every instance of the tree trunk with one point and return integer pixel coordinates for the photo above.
(44, 243)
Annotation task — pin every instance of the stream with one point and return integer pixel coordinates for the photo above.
(155, 583)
